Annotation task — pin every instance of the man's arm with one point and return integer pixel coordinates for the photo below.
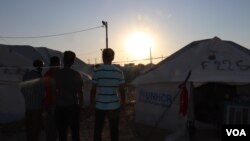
(80, 92)
(92, 95)
(122, 95)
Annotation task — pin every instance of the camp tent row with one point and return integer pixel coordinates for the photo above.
(14, 61)
(219, 80)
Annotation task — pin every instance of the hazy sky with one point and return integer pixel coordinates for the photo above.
(168, 24)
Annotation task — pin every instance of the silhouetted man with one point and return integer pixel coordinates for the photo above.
(49, 101)
(33, 92)
(69, 100)
(107, 81)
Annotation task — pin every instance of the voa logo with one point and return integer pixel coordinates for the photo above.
(236, 132)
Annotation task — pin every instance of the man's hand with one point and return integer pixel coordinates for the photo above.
(92, 99)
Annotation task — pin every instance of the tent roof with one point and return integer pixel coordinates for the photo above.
(210, 60)
(15, 58)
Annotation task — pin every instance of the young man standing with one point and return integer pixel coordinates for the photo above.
(49, 101)
(107, 84)
(33, 92)
(69, 100)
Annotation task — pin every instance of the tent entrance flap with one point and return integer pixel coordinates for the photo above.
(209, 102)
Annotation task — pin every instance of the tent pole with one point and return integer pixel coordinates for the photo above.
(190, 123)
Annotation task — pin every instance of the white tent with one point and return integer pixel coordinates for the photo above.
(14, 62)
(211, 61)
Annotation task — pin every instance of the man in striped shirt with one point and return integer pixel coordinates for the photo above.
(107, 83)
(33, 92)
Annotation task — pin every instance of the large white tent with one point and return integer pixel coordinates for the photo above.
(14, 62)
(210, 61)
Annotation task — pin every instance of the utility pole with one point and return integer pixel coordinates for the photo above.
(150, 56)
(105, 23)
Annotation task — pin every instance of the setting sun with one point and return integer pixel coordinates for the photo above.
(138, 45)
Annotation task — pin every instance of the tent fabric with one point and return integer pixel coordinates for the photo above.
(14, 62)
(154, 100)
(210, 60)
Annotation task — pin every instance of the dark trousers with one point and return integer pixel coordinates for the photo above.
(34, 124)
(50, 125)
(68, 117)
(113, 117)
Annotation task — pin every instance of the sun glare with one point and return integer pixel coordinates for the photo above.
(138, 45)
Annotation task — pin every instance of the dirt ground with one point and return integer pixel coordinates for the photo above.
(129, 131)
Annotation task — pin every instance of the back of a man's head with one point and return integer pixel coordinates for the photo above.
(37, 63)
(54, 61)
(108, 55)
(69, 58)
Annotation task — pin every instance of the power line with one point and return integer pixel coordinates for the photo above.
(89, 53)
(118, 62)
(32, 67)
(52, 35)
